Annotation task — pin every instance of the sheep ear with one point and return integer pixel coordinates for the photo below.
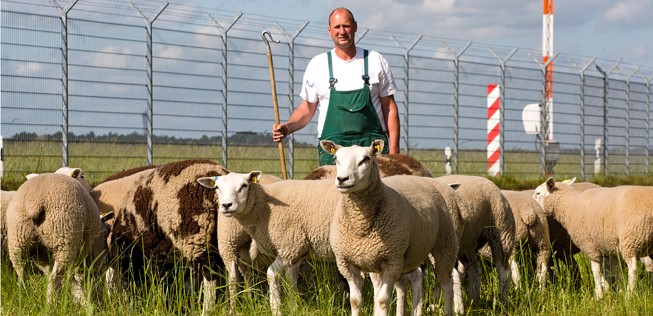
(329, 146)
(76, 172)
(31, 175)
(107, 216)
(377, 146)
(254, 176)
(571, 181)
(454, 186)
(550, 184)
(207, 182)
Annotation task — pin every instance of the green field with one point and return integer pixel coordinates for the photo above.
(319, 291)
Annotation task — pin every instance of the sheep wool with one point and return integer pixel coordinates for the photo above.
(387, 227)
(603, 222)
(110, 194)
(167, 215)
(389, 165)
(289, 220)
(486, 217)
(54, 216)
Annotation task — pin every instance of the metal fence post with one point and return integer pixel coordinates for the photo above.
(647, 102)
(456, 99)
(502, 108)
(224, 91)
(64, 78)
(150, 89)
(605, 113)
(291, 92)
(627, 161)
(406, 85)
(581, 74)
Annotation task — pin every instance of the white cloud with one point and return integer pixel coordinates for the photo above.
(28, 68)
(629, 12)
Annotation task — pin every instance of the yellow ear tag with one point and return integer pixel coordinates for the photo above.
(255, 179)
(566, 181)
(214, 180)
(378, 148)
(333, 150)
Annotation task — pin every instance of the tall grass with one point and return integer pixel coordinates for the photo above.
(322, 293)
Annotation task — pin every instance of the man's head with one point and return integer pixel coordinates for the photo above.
(342, 28)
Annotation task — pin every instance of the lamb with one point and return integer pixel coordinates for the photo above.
(486, 218)
(389, 165)
(167, 215)
(603, 222)
(386, 227)
(532, 229)
(53, 216)
(289, 220)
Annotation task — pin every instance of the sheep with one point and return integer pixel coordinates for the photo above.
(532, 229)
(238, 250)
(603, 222)
(110, 194)
(386, 227)
(389, 165)
(486, 218)
(167, 215)
(6, 197)
(289, 220)
(53, 216)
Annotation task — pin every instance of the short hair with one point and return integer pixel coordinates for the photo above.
(341, 8)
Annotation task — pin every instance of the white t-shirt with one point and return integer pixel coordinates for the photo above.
(315, 85)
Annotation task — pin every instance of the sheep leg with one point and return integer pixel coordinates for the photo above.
(208, 287)
(514, 269)
(648, 266)
(416, 279)
(400, 288)
(275, 293)
(54, 281)
(473, 271)
(355, 281)
(457, 292)
(543, 267)
(498, 257)
(445, 278)
(232, 271)
(599, 280)
(632, 274)
(382, 283)
(77, 290)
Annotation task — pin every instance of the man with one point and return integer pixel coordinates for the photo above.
(354, 91)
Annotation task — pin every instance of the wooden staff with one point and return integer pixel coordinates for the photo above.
(274, 97)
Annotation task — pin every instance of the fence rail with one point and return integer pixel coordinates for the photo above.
(96, 71)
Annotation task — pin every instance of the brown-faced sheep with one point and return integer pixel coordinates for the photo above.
(167, 215)
(603, 222)
(53, 215)
(387, 227)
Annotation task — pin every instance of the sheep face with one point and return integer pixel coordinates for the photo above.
(232, 190)
(354, 164)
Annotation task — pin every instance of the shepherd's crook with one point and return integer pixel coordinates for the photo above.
(274, 97)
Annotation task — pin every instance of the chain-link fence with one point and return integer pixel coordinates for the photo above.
(108, 85)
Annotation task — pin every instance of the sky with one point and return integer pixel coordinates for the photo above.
(606, 29)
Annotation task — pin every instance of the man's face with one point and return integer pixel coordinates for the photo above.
(342, 29)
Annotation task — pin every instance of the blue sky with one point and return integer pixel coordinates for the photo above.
(605, 29)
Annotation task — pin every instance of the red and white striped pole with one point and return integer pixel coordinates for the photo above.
(547, 54)
(493, 129)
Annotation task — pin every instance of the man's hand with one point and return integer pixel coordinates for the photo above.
(279, 132)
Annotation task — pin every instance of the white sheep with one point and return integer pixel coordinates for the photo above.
(289, 220)
(167, 215)
(55, 214)
(603, 222)
(486, 218)
(238, 251)
(531, 229)
(386, 227)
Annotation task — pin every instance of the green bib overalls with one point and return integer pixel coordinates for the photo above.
(351, 118)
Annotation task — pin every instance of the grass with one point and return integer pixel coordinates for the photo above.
(320, 294)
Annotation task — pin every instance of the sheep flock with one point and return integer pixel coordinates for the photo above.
(383, 219)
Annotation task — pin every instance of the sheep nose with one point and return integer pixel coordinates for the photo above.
(226, 205)
(342, 179)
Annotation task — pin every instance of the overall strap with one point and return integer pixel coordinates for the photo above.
(366, 77)
(332, 80)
